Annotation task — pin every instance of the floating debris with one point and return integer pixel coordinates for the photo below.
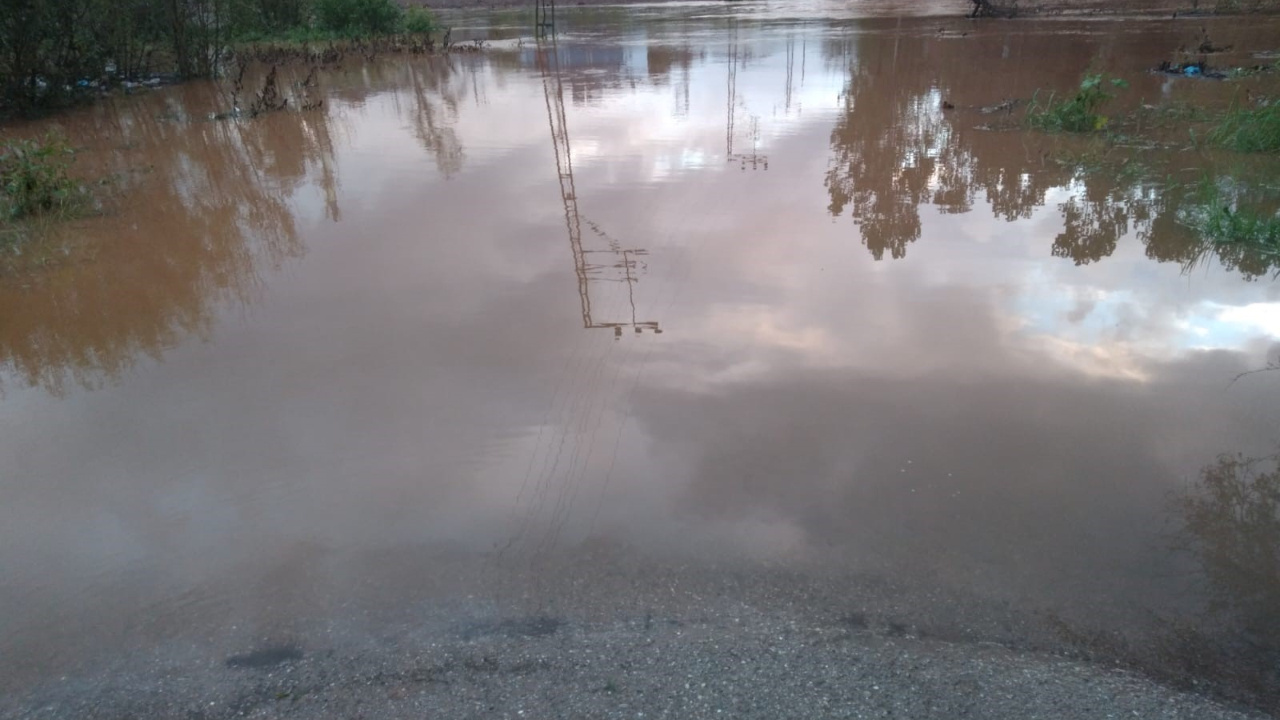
(1198, 69)
(1006, 106)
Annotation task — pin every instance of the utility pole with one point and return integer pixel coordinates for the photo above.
(544, 17)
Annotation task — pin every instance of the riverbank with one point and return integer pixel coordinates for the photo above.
(958, 8)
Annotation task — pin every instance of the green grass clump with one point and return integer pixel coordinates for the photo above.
(339, 20)
(419, 21)
(1078, 113)
(359, 18)
(1250, 130)
(34, 179)
(299, 35)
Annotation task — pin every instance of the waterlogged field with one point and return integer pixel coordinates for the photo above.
(692, 313)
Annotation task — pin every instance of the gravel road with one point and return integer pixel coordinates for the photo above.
(585, 640)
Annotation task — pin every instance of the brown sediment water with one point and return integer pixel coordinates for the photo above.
(715, 284)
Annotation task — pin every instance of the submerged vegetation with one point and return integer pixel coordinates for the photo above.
(1078, 113)
(1250, 129)
(53, 51)
(1233, 214)
(34, 179)
(1242, 129)
(1233, 218)
(37, 188)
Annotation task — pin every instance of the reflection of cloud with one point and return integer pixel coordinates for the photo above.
(1083, 308)
(1115, 333)
(758, 333)
(1116, 360)
(1252, 319)
(1012, 465)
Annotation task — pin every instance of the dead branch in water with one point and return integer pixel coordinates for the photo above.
(237, 85)
(309, 101)
(269, 98)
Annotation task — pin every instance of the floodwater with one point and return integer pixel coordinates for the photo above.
(709, 283)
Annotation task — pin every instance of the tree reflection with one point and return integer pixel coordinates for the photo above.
(425, 91)
(895, 150)
(1090, 230)
(884, 152)
(209, 216)
(210, 211)
(436, 133)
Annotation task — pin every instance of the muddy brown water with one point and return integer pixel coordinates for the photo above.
(705, 282)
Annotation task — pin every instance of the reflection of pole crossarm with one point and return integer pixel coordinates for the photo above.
(629, 266)
(753, 158)
(549, 63)
(756, 159)
(544, 17)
